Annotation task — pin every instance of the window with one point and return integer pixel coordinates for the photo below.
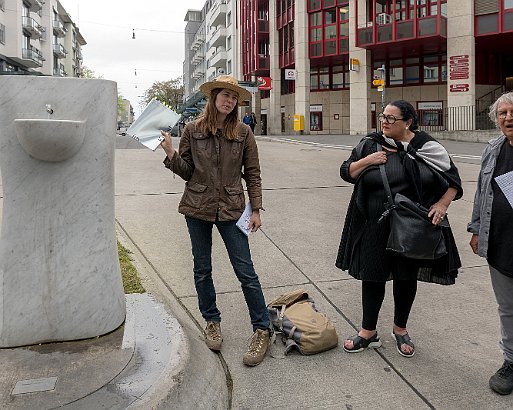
(229, 19)
(508, 4)
(2, 5)
(229, 67)
(487, 24)
(2, 33)
(329, 29)
(314, 4)
(315, 121)
(229, 43)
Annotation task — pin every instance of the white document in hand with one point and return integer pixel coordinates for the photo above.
(505, 182)
(243, 221)
(155, 117)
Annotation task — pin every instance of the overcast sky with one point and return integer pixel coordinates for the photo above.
(157, 52)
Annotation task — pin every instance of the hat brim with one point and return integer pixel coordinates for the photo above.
(206, 88)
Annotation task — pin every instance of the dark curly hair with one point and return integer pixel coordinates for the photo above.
(407, 112)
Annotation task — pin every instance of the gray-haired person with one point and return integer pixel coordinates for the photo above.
(492, 229)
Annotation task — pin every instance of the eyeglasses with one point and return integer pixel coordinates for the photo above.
(503, 114)
(390, 119)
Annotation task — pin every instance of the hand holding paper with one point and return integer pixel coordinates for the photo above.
(155, 117)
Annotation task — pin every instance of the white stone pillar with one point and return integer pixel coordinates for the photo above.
(59, 270)
(461, 81)
(359, 91)
(302, 63)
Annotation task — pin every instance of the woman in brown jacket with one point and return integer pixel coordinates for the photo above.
(216, 151)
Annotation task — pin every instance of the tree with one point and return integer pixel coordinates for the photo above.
(88, 73)
(167, 92)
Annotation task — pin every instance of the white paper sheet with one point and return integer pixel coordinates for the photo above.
(505, 182)
(155, 117)
(243, 221)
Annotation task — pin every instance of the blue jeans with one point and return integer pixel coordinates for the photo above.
(237, 245)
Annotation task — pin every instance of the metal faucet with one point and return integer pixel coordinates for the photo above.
(49, 109)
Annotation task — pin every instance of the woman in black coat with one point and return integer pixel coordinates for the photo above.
(420, 168)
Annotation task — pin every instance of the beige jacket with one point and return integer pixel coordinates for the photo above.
(213, 168)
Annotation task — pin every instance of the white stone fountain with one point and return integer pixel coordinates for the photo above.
(59, 271)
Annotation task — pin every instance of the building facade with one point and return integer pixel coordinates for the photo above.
(212, 48)
(336, 63)
(39, 38)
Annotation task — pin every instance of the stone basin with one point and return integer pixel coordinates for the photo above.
(50, 140)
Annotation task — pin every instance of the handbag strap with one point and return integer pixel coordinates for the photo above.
(388, 192)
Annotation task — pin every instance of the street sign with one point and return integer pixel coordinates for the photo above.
(380, 88)
(378, 82)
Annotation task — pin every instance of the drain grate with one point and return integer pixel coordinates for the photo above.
(34, 385)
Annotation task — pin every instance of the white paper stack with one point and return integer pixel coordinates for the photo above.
(243, 221)
(155, 117)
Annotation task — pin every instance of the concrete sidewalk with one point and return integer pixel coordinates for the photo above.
(455, 328)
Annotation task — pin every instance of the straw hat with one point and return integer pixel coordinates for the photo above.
(228, 82)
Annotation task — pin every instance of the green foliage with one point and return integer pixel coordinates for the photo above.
(168, 92)
(131, 282)
(88, 73)
(121, 107)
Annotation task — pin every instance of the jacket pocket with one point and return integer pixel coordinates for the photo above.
(486, 177)
(235, 197)
(194, 194)
(202, 141)
(237, 146)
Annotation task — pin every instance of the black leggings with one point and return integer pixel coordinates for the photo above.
(373, 294)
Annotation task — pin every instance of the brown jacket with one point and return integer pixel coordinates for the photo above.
(212, 167)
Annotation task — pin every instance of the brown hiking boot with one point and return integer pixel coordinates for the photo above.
(257, 348)
(213, 337)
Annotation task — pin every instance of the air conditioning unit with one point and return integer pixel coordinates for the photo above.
(221, 71)
(383, 18)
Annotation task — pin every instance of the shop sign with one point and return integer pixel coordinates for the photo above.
(290, 74)
(430, 105)
(316, 108)
(459, 69)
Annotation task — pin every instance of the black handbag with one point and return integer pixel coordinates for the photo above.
(412, 234)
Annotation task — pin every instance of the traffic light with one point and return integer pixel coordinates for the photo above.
(379, 83)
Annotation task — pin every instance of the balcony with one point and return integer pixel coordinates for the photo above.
(31, 57)
(198, 58)
(219, 58)
(62, 71)
(59, 51)
(32, 27)
(218, 13)
(198, 73)
(35, 5)
(58, 28)
(199, 39)
(219, 37)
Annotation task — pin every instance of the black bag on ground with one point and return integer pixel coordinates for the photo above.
(412, 234)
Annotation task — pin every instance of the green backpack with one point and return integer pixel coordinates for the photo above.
(301, 325)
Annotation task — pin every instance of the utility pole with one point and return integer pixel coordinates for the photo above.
(380, 83)
(382, 70)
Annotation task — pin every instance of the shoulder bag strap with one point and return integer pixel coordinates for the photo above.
(389, 204)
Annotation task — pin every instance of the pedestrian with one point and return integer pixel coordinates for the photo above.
(420, 168)
(492, 228)
(253, 122)
(248, 121)
(215, 151)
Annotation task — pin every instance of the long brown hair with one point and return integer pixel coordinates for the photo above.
(207, 121)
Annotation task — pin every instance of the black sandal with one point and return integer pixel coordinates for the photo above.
(360, 343)
(404, 340)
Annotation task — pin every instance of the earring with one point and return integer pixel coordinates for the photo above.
(407, 127)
